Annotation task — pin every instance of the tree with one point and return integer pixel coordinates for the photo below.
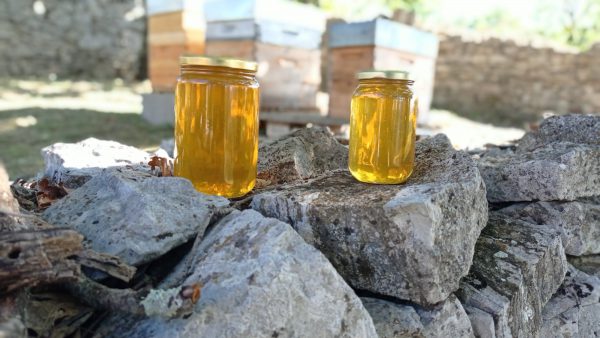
(312, 2)
(581, 27)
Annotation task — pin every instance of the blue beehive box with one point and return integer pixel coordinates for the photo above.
(379, 44)
(284, 37)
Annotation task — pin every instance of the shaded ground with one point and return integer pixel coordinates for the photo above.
(24, 132)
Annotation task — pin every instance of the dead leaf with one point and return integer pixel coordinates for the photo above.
(163, 164)
(192, 292)
(48, 193)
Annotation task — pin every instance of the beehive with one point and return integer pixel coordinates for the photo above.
(174, 28)
(379, 44)
(282, 36)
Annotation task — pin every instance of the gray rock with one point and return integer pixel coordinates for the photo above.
(516, 268)
(134, 215)
(259, 279)
(578, 221)
(588, 264)
(412, 241)
(481, 322)
(575, 128)
(558, 171)
(392, 320)
(574, 311)
(303, 154)
(73, 164)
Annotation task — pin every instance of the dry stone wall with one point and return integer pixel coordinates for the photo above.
(91, 39)
(505, 81)
(473, 245)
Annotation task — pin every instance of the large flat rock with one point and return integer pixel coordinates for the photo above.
(516, 268)
(412, 241)
(393, 320)
(578, 221)
(574, 310)
(134, 215)
(303, 154)
(574, 128)
(557, 171)
(73, 164)
(259, 279)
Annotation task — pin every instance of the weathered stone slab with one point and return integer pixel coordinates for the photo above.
(574, 310)
(557, 171)
(134, 215)
(578, 221)
(516, 268)
(482, 322)
(73, 164)
(392, 320)
(588, 264)
(574, 128)
(412, 241)
(303, 154)
(259, 279)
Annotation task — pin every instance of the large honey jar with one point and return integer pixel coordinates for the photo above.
(216, 124)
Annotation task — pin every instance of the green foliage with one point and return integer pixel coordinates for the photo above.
(498, 20)
(571, 22)
(577, 22)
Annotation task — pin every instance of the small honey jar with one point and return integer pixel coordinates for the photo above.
(216, 124)
(383, 126)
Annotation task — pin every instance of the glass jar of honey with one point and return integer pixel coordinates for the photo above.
(383, 126)
(216, 124)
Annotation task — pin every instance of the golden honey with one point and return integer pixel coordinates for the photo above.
(382, 128)
(216, 125)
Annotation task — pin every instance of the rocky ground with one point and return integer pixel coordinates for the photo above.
(501, 243)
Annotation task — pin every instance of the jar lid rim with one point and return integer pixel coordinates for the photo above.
(203, 60)
(385, 74)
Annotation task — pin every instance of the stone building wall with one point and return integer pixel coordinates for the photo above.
(508, 82)
(88, 39)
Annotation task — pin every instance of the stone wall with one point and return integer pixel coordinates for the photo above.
(509, 82)
(97, 39)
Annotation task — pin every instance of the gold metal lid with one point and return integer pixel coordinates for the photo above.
(383, 74)
(201, 60)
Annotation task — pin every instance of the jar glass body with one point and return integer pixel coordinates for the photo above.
(216, 129)
(382, 131)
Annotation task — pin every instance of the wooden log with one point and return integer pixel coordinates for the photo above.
(8, 204)
(32, 257)
(11, 323)
(108, 264)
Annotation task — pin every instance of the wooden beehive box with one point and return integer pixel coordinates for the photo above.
(282, 36)
(379, 44)
(175, 27)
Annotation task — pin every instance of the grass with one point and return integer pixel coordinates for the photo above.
(23, 133)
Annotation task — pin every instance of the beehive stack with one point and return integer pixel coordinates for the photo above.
(174, 28)
(379, 44)
(282, 36)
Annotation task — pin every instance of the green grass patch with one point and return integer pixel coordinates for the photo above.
(23, 133)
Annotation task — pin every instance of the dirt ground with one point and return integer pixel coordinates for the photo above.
(34, 114)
